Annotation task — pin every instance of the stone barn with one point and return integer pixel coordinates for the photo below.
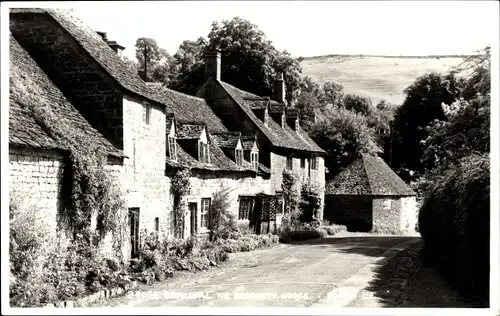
(369, 196)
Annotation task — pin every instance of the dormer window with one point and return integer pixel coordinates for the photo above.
(239, 157)
(172, 148)
(254, 158)
(203, 152)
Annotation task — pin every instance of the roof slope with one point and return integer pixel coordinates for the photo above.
(279, 137)
(189, 109)
(98, 49)
(29, 84)
(226, 140)
(368, 175)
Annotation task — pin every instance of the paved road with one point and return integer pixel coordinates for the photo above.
(296, 275)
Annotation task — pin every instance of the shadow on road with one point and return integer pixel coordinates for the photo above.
(368, 246)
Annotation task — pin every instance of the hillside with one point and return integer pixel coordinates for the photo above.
(378, 77)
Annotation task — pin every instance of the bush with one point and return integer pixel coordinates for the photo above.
(334, 229)
(454, 222)
(223, 222)
(302, 232)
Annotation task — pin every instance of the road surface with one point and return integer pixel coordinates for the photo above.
(298, 275)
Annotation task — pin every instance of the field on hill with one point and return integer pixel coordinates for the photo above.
(377, 77)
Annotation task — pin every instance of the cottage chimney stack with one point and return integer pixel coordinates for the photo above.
(279, 88)
(213, 65)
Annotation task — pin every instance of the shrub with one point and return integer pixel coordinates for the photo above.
(310, 203)
(305, 231)
(334, 229)
(454, 222)
(223, 222)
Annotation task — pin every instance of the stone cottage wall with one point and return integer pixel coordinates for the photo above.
(409, 214)
(144, 169)
(386, 214)
(204, 185)
(35, 176)
(354, 211)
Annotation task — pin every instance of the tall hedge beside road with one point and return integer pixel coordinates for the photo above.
(454, 221)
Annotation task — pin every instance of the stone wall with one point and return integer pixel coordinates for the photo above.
(204, 185)
(144, 169)
(409, 214)
(354, 211)
(35, 177)
(386, 214)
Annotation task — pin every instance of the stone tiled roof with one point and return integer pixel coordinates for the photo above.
(368, 175)
(98, 49)
(227, 139)
(279, 137)
(248, 141)
(189, 130)
(188, 108)
(28, 85)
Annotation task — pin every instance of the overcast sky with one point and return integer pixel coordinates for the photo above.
(307, 28)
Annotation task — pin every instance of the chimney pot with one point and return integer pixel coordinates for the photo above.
(213, 65)
(279, 88)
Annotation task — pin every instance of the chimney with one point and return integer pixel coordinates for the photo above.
(279, 88)
(116, 47)
(213, 65)
(103, 35)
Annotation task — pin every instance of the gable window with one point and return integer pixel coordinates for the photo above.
(302, 163)
(246, 207)
(172, 148)
(147, 112)
(289, 163)
(205, 213)
(239, 157)
(203, 152)
(254, 158)
(313, 161)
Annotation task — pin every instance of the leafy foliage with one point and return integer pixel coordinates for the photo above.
(223, 221)
(343, 134)
(180, 188)
(357, 104)
(310, 202)
(291, 196)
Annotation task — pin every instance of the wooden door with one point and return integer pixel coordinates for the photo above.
(133, 216)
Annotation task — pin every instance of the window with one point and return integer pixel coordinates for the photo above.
(203, 152)
(289, 163)
(255, 160)
(157, 224)
(239, 157)
(246, 207)
(302, 163)
(147, 114)
(172, 148)
(205, 213)
(314, 162)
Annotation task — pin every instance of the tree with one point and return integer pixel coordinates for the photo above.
(358, 104)
(344, 135)
(189, 66)
(422, 105)
(250, 62)
(333, 93)
(148, 54)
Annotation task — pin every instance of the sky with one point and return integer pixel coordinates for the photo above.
(306, 28)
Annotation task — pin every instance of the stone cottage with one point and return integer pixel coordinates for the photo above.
(281, 142)
(369, 196)
(151, 131)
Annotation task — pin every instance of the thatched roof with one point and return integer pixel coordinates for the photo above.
(368, 175)
(280, 137)
(29, 85)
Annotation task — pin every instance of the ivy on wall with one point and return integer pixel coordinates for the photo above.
(180, 188)
(92, 190)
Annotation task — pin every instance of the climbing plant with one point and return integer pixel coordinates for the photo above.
(291, 188)
(180, 188)
(91, 191)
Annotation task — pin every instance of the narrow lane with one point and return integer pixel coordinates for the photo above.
(285, 276)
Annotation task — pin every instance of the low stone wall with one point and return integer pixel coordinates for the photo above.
(93, 298)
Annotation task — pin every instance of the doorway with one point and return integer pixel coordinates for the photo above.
(193, 210)
(133, 218)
